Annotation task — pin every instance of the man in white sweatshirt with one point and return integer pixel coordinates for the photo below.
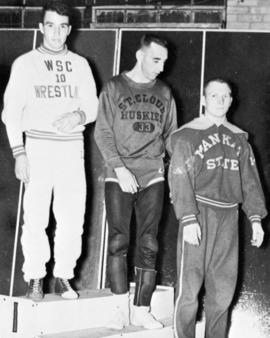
(50, 96)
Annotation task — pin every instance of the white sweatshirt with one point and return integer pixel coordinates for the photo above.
(42, 87)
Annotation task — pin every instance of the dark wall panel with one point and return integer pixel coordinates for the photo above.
(99, 48)
(243, 58)
(12, 44)
(182, 72)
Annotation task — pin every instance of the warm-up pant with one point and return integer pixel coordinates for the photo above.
(148, 204)
(56, 169)
(214, 262)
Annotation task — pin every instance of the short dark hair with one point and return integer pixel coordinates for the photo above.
(219, 80)
(59, 6)
(147, 39)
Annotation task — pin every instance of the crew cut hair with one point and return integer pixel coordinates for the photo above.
(58, 6)
(218, 80)
(147, 39)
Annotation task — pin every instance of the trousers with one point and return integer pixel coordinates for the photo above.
(56, 170)
(215, 263)
(147, 204)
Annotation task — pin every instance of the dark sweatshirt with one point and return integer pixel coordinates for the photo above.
(133, 127)
(213, 165)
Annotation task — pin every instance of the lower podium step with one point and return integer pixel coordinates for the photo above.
(129, 332)
(82, 318)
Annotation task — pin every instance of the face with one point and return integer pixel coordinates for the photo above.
(151, 60)
(55, 29)
(217, 99)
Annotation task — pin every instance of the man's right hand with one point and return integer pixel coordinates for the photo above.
(192, 234)
(22, 168)
(127, 180)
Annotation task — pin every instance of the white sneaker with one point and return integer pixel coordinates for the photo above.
(141, 316)
(121, 312)
(35, 289)
(63, 287)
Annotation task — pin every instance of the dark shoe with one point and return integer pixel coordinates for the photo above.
(35, 290)
(63, 288)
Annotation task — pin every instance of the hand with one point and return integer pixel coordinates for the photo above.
(22, 168)
(192, 234)
(66, 122)
(127, 180)
(257, 234)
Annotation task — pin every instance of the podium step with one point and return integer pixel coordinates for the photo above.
(84, 317)
(129, 332)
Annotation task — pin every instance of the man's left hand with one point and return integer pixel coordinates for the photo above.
(257, 234)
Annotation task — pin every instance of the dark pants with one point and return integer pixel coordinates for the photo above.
(148, 204)
(214, 262)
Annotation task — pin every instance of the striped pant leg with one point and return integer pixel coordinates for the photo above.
(221, 267)
(190, 271)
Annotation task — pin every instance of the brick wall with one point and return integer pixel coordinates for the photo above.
(248, 14)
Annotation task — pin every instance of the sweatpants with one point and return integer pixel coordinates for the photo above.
(56, 169)
(214, 262)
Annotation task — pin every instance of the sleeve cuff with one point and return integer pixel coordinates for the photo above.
(189, 219)
(18, 150)
(115, 163)
(255, 218)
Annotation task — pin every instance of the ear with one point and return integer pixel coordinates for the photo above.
(69, 29)
(139, 55)
(41, 27)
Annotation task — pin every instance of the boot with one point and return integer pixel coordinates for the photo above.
(145, 284)
(35, 290)
(120, 317)
(63, 288)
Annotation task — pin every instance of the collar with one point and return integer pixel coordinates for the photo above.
(217, 122)
(45, 50)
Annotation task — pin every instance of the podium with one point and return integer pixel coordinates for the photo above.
(86, 317)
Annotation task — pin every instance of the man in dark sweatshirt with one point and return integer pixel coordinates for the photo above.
(212, 170)
(136, 115)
